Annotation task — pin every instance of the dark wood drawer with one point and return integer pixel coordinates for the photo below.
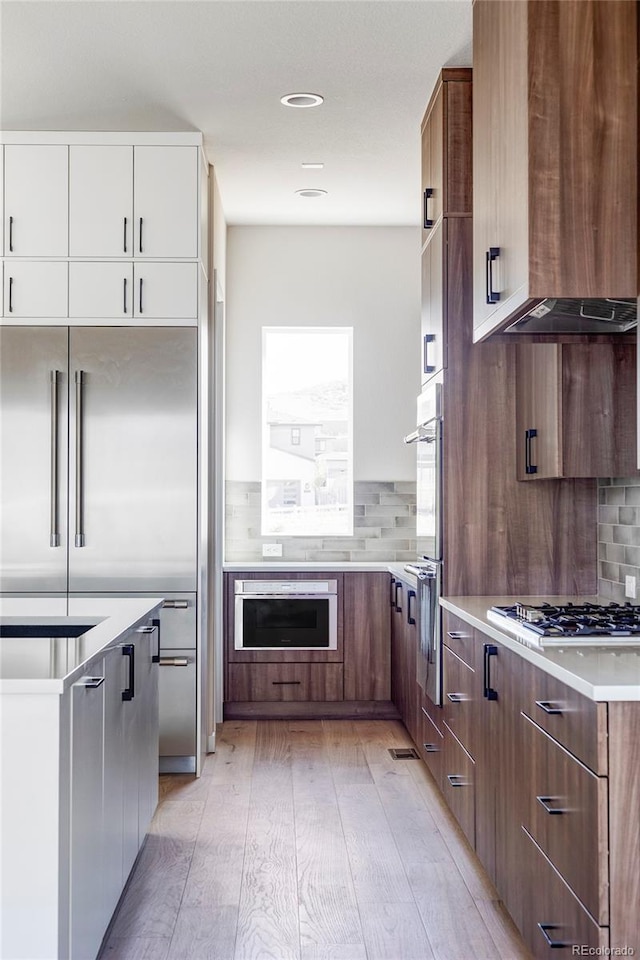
(566, 814)
(431, 746)
(576, 722)
(460, 638)
(552, 914)
(284, 681)
(459, 700)
(458, 784)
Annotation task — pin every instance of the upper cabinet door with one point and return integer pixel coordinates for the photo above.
(166, 202)
(100, 201)
(36, 188)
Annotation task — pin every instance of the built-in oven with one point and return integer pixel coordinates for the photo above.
(286, 615)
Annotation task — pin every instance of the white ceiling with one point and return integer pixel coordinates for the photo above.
(221, 66)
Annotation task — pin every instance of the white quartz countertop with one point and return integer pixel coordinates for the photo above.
(283, 566)
(51, 664)
(600, 673)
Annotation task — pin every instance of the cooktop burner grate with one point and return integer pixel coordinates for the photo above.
(572, 620)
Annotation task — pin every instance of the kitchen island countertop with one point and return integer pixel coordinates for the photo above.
(600, 673)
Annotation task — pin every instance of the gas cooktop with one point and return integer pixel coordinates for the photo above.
(579, 624)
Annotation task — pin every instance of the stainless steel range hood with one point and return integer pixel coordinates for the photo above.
(577, 316)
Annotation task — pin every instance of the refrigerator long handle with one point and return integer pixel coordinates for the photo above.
(54, 529)
(80, 381)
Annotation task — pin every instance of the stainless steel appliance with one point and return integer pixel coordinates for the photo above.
(578, 315)
(428, 569)
(570, 624)
(286, 615)
(98, 476)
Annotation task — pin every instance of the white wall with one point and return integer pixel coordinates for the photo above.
(364, 277)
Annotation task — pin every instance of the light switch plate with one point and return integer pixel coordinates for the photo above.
(271, 549)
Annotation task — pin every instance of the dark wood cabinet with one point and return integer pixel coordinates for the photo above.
(404, 652)
(257, 682)
(458, 783)
(367, 655)
(432, 313)
(573, 406)
(431, 740)
(554, 153)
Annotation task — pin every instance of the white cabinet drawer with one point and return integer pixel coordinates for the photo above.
(35, 290)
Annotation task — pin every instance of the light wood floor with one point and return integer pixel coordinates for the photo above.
(304, 840)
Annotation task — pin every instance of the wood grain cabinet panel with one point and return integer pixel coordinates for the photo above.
(572, 410)
(566, 814)
(551, 220)
(458, 784)
(285, 681)
(460, 638)
(460, 700)
(554, 919)
(430, 744)
(367, 654)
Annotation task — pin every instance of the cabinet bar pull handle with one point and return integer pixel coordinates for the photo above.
(410, 620)
(124, 236)
(490, 650)
(456, 780)
(10, 234)
(286, 683)
(397, 605)
(545, 801)
(79, 541)
(175, 604)
(543, 927)
(140, 235)
(548, 707)
(528, 437)
(173, 662)
(427, 222)
(455, 697)
(10, 294)
(92, 682)
(392, 599)
(456, 634)
(140, 298)
(492, 254)
(428, 367)
(124, 295)
(129, 650)
(430, 748)
(54, 533)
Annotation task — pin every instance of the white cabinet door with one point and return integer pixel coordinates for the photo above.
(100, 201)
(165, 291)
(166, 202)
(2, 199)
(86, 820)
(101, 290)
(130, 758)
(112, 867)
(36, 182)
(35, 290)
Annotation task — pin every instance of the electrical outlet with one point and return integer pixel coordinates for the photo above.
(275, 550)
(630, 587)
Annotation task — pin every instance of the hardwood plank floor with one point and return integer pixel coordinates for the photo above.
(305, 840)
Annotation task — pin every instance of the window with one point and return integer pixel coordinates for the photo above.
(307, 445)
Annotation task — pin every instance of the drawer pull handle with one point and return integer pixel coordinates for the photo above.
(286, 683)
(92, 682)
(431, 748)
(543, 927)
(456, 697)
(549, 707)
(175, 604)
(545, 801)
(173, 662)
(457, 780)
(457, 634)
(427, 221)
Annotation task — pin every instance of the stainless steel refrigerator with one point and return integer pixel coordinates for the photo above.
(98, 484)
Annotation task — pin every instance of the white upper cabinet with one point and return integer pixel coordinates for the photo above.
(166, 209)
(36, 200)
(2, 199)
(100, 201)
(165, 291)
(101, 290)
(35, 289)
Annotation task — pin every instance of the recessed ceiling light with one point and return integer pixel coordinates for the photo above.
(312, 166)
(311, 192)
(302, 100)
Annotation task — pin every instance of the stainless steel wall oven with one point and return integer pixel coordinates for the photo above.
(286, 615)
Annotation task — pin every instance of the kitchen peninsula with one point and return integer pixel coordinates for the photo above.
(79, 745)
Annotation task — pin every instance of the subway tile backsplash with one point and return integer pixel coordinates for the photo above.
(384, 527)
(618, 536)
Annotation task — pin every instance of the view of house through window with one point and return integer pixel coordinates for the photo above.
(307, 447)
